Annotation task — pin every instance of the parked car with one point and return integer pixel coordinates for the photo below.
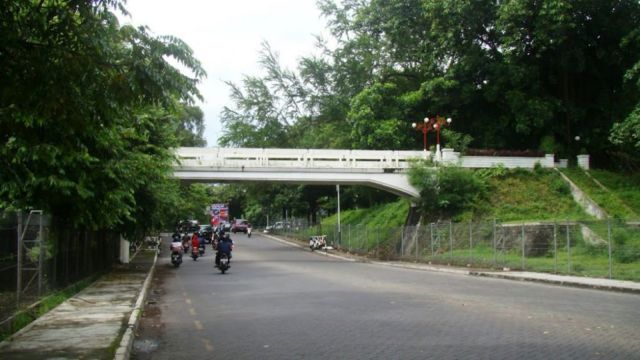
(279, 225)
(188, 226)
(240, 225)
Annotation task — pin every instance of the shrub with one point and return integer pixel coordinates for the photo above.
(446, 191)
(625, 251)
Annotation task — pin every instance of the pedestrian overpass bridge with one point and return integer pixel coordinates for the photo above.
(382, 169)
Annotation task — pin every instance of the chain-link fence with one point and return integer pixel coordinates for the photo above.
(607, 249)
(36, 261)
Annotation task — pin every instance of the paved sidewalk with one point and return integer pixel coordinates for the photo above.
(567, 280)
(91, 324)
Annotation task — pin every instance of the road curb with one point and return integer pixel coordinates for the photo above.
(126, 343)
(562, 282)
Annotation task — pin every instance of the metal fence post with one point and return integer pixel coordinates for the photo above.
(555, 247)
(366, 239)
(609, 241)
(494, 243)
(470, 242)
(450, 241)
(19, 269)
(378, 243)
(349, 237)
(402, 241)
(523, 253)
(41, 256)
(431, 240)
(568, 250)
(417, 237)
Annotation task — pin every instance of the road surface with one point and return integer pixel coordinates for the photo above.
(283, 302)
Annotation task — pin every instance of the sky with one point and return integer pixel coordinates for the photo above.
(226, 37)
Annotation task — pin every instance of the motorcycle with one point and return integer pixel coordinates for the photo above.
(224, 264)
(176, 258)
(185, 243)
(201, 248)
(249, 232)
(195, 252)
(317, 242)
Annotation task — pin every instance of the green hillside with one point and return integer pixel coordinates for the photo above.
(510, 196)
(617, 194)
(521, 195)
(390, 215)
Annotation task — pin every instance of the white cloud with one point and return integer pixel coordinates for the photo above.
(226, 36)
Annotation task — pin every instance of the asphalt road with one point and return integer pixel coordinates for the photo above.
(283, 302)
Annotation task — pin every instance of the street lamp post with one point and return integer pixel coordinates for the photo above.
(425, 128)
(439, 122)
(434, 123)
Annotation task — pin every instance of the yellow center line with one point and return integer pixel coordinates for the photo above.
(207, 345)
(198, 325)
(192, 311)
(188, 301)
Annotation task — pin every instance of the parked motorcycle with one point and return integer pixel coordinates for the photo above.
(225, 263)
(317, 242)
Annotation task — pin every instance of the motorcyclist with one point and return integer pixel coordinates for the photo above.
(185, 242)
(225, 245)
(195, 242)
(176, 246)
(176, 236)
(201, 242)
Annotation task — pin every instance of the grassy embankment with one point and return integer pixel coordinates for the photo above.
(619, 195)
(519, 196)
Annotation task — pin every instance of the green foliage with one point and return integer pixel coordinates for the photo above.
(627, 245)
(446, 191)
(89, 112)
(375, 118)
(627, 133)
(497, 172)
(457, 141)
(519, 195)
(512, 74)
(385, 215)
(619, 198)
(548, 145)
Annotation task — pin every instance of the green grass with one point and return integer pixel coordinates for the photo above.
(25, 317)
(620, 200)
(521, 195)
(626, 187)
(386, 215)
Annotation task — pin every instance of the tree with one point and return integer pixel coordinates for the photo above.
(88, 112)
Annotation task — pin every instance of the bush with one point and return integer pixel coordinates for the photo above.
(446, 191)
(457, 141)
(625, 250)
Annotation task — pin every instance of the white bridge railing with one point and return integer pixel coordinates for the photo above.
(217, 157)
(296, 158)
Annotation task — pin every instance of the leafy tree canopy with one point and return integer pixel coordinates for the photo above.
(89, 112)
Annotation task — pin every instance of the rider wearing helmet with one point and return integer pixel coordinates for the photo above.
(225, 245)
